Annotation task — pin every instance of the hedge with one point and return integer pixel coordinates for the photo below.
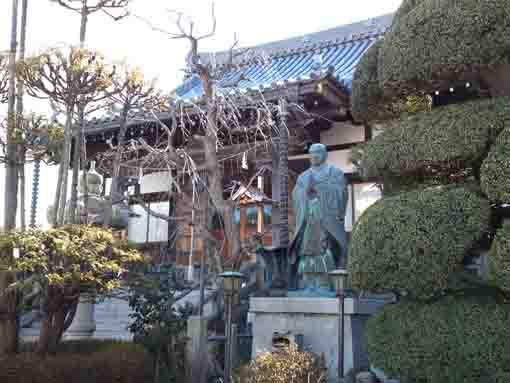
(448, 138)
(495, 171)
(454, 340)
(367, 101)
(442, 41)
(406, 7)
(366, 93)
(499, 258)
(413, 242)
(97, 362)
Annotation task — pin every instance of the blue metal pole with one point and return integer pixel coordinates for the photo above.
(35, 192)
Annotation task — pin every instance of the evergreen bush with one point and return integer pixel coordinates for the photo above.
(442, 41)
(495, 171)
(406, 7)
(411, 243)
(454, 340)
(110, 362)
(499, 258)
(367, 99)
(446, 139)
(366, 93)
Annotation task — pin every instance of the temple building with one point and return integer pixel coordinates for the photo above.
(313, 72)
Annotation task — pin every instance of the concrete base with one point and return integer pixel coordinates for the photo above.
(196, 350)
(317, 320)
(84, 324)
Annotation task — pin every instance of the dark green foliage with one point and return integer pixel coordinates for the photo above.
(441, 41)
(157, 324)
(499, 258)
(454, 340)
(98, 362)
(77, 347)
(367, 101)
(413, 242)
(445, 140)
(366, 93)
(406, 7)
(495, 171)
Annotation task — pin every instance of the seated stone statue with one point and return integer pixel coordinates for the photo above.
(320, 244)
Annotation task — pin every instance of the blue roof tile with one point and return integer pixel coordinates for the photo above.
(339, 55)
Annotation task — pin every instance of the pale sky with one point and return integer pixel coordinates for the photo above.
(254, 22)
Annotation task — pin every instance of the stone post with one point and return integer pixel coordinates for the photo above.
(196, 350)
(234, 355)
(84, 323)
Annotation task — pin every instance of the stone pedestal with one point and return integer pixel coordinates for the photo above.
(84, 324)
(196, 350)
(317, 320)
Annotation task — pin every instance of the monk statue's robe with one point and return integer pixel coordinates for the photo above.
(320, 243)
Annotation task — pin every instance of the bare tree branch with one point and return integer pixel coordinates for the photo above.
(4, 77)
(91, 6)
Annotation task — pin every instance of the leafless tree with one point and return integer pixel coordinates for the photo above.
(132, 95)
(116, 9)
(4, 78)
(216, 128)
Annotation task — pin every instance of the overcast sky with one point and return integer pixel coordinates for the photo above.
(254, 22)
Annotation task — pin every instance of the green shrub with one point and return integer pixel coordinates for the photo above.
(454, 340)
(444, 140)
(495, 171)
(499, 258)
(441, 41)
(76, 347)
(367, 101)
(288, 366)
(366, 93)
(111, 362)
(413, 242)
(406, 7)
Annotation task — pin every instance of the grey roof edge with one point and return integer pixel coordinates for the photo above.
(332, 36)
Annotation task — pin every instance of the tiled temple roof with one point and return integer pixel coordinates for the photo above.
(336, 51)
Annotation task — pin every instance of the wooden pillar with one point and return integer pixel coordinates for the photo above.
(283, 170)
(275, 195)
(260, 218)
(242, 221)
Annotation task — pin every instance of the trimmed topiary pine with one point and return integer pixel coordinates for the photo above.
(366, 93)
(454, 340)
(444, 140)
(441, 41)
(406, 7)
(412, 243)
(367, 101)
(495, 171)
(499, 258)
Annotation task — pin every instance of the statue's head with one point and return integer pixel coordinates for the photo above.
(318, 154)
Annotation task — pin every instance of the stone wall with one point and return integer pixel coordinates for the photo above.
(317, 320)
